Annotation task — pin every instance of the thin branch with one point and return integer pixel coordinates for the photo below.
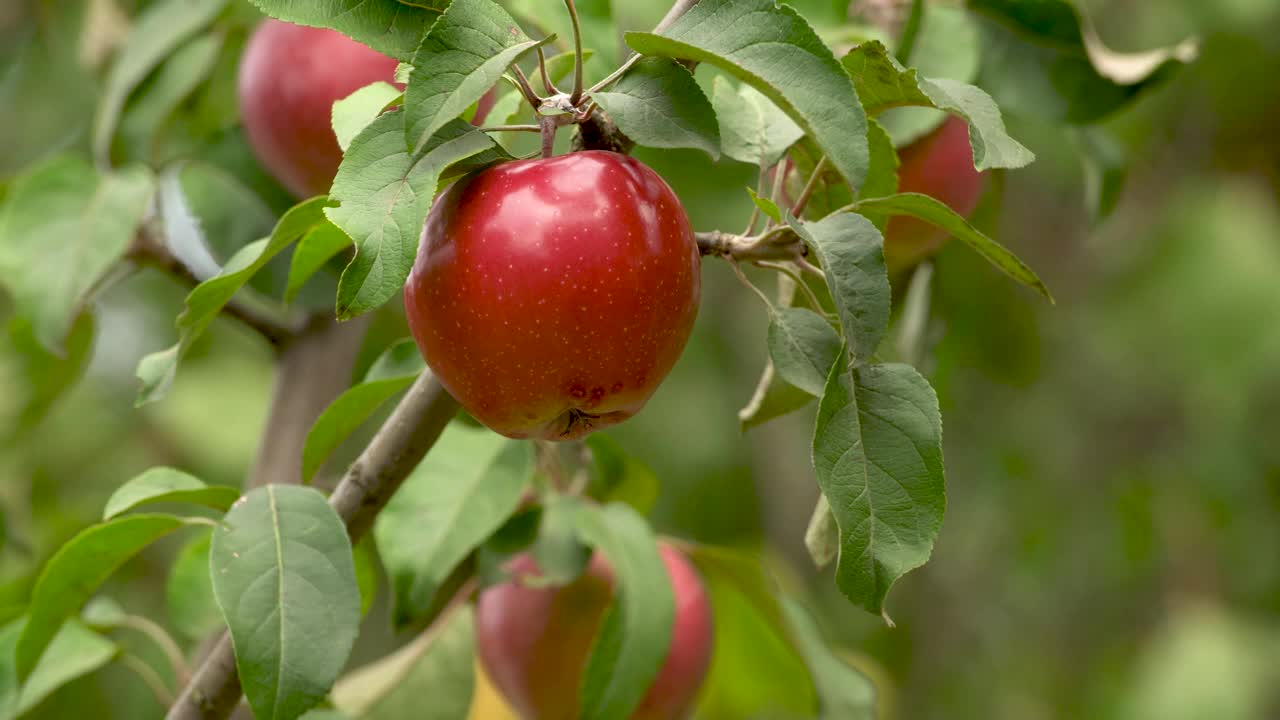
(525, 88)
(149, 676)
(779, 243)
(165, 642)
(680, 7)
(512, 128)
(795, 276)
(742, 277)
(547, 85)
(576, 95)
(397, 448)
(809, 187)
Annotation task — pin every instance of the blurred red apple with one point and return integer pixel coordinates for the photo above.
(290, 76)
(941, 165)
(552, 296)
(534, 642)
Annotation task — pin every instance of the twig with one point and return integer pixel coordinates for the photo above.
(790, 272)
(547, 126)
(779, 243)
(512, 128)
(525, 88)
(165, 642)
(397, 448)
(576, 95)
(149, 676)
(746, 281)
(677, 9)
(809, 187)
(547, 85)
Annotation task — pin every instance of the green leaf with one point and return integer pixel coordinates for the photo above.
(166, 485)
(159, 30)
(659, 104)
(937, 213)
(391, 27)
(877, 452)
(883, 84)
(320, 245)
(882, 178)
(772, 48)
(636, 633)
(437, 666)
(45, 376)
(949, 46)
(189, 590)
(175, 80)
(1039, 61)
(465, 489)
(62, 227)
(463, 55)
(356, 111)
(822, 537)
(103, 613)
(284, 578)
(384, 193)
(767, 206)
(851, 251)
(843, 692)
(157, 370)
(75, 572)
(74, 652)
(620, 477)
(752, 129)
(757, 672)
(398, 367)
(1106, 167)
(803, 346)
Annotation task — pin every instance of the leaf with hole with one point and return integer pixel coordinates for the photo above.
(772, 48)
(284, 578)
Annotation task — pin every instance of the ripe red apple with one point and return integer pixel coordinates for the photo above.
(552, 296)
(939, 164)
(534, 642)
(290, 76)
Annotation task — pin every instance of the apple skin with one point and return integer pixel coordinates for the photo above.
(552, 296)
(289, 78)
(534, 642)
(941, 165)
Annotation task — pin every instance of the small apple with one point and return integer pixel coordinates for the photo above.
(534, 642)
(289, 78)
(552, 296)
(941, 165)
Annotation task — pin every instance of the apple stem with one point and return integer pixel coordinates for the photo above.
(809, 187)
(525, 88)
(549, 86)
(547, 125)
(577, 53)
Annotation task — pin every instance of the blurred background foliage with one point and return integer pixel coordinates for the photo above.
(1112, 541)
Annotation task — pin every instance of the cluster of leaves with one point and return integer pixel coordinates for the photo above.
(278, 568)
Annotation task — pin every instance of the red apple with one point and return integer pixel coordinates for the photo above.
(552, 296)
(290, 76)
(534, 642)
(939, 164)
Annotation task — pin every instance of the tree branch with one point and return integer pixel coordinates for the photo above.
(780, 243)
(397, 448)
